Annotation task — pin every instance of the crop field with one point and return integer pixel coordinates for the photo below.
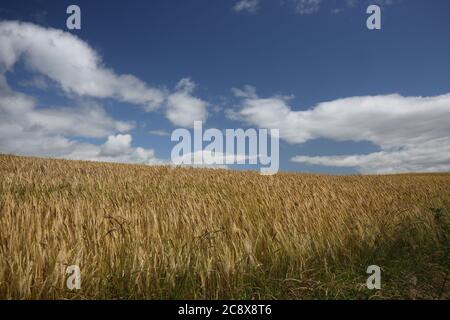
(159, 232)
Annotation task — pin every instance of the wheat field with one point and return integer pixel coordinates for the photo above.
(158, 232)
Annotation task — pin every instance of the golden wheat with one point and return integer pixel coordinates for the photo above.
(160, 232)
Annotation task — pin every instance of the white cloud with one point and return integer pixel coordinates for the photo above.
(85, 151)
(431, 156)
(307, 6)
(19, 111)
(89, 120)
(116, 149)
(413, 133)
(354, 3)
(27, 130)
(71, 63)
(116, 145)
(59, 58)
(208, 156)
(246, 92)
(160, 133)
(182, 108)
(210, 159)
(246, 5)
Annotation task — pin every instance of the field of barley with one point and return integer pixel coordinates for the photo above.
(158, 232)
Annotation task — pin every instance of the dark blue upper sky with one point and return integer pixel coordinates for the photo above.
(315, 57)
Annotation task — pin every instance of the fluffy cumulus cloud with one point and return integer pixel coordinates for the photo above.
(59, 58)
(116, 145)
(71, 63)
(78, 69)
(183, 108)
(117, 148)
(51, 132)
(246, 6)
(54, 131)
(412, 133)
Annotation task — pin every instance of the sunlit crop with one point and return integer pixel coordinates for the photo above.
(158, 232)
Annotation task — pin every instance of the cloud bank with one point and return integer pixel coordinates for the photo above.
(182, 108)
(49, 132)
(77, 68)
(413, 133)
(70, 62)
(59, 57)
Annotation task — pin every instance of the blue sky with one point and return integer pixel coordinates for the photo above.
(379, 98)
